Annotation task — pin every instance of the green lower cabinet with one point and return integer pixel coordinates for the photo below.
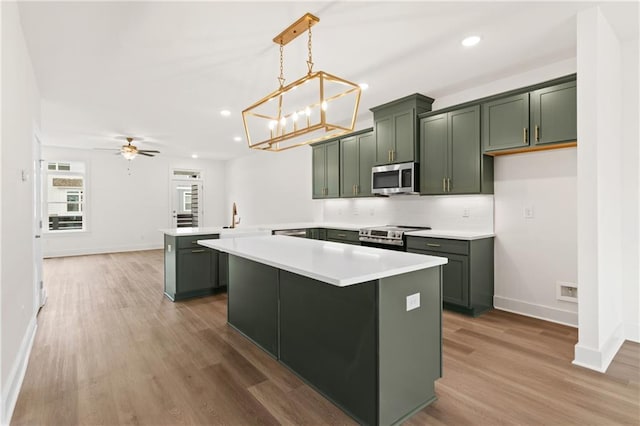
(344, 341)
(467, 280)
(317, 233)
(252, 302)
(191, 270)
(341, 236)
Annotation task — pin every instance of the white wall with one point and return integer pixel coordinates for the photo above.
(20, 114)
(126, 203)
(272, 187)
(631, 190)
(599, 192)
(533, 254)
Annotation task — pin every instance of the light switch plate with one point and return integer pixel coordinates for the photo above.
(413, 302)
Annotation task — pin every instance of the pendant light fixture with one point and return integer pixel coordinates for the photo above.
(315, 107)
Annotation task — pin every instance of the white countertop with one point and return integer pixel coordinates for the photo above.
(334, 263)
(256, 229)
(453, 235)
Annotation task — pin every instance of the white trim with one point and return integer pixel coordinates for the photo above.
(103, 250)
(632, 332)
(533, 310)
(599, 359)
(11, 389)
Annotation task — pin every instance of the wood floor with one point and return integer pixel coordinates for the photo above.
(111, 349)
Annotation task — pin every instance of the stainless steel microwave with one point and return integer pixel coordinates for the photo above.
(394, 179)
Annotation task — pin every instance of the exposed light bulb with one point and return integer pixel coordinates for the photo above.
(307, 111)
(283, 121)
(294, 116)
(129, 155)
(363, 86)
(272, 124)
(323, 105)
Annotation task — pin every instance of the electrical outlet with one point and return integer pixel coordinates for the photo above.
(567, 292)
(528, 212)
(413, 301)
(465, 212)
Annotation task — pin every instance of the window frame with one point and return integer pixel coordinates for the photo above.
(82, 192)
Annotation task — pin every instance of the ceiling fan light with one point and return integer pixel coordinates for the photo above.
(129, 155)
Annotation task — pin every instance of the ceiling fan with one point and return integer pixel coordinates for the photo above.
(130, 151)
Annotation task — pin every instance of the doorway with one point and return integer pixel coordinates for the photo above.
(40, 292)
(187, 199)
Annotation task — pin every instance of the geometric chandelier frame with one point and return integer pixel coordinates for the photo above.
(315, 107)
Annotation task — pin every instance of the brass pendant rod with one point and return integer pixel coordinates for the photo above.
(294, 30)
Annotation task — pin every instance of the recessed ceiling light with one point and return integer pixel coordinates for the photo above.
(237, 139)
(363, 86)
(471, 41)
(225, 113)
(194, 155)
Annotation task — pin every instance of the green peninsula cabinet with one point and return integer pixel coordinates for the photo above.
(190, 270)
(467, 280)
(357, 157)
(396, 128)
(326, 169)
(451, 160)
(538, 117)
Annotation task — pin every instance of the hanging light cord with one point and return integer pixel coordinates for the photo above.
(310, 60)
(281, 78)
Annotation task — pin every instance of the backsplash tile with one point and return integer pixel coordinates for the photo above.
(438, 212)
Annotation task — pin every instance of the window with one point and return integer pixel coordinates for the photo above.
(186, 201)
(65, 196)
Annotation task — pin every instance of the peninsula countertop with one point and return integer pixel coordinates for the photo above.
(334, 263)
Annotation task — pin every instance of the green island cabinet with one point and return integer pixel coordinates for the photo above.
(451, 159)
(342, 236)
(396, 128)
(540, 116)
(190, 270)
(467, 280)
(357, 157)
(326, 169)
(317, 233)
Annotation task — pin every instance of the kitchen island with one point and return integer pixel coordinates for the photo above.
(361, 325)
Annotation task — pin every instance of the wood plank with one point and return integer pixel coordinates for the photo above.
(111, 349)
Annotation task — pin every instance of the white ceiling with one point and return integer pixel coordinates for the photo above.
(163, 70)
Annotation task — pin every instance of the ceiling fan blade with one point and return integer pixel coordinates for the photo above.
(153, 151)
(145, 154)
(107, 149)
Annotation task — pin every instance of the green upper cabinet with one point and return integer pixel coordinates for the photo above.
(326, 169)
(554, 114)
(506, 123)
(539, 116)
(396, 129)
(357, 157)
(451, 161)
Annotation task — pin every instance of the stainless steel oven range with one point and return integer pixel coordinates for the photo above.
(388, 237)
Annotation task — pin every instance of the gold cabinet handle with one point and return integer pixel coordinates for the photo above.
(537, 133)
(197, 251)
(448, 184)
(357, 188)
(444, 185)
(525, 132)
(194, 242)
(433, 245)
(393, 155)
(389, 156)
(342, 235)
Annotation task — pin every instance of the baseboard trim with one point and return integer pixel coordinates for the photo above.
(533, 310)
(11, 391)
(101, 250)
(632, 332)
(599, 359)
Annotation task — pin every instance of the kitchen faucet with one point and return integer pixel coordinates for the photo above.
(234, 213)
